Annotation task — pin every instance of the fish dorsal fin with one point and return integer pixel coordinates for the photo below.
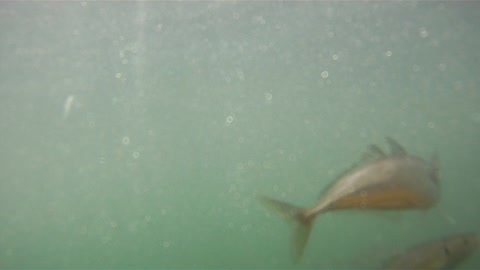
(395, 148)
(374, 152)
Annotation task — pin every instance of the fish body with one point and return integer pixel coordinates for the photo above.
(394, 181)
(437, 254)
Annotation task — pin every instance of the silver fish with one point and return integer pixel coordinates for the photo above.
(381, 181)
(437, 254)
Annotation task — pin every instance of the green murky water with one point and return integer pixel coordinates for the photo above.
(137, 135)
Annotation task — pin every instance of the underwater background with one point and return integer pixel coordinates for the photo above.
(139, 134)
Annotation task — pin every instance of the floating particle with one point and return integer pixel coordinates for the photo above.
(67, 106)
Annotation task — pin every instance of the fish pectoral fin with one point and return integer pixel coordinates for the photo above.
(395, 148)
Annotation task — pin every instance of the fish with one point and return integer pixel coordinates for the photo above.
(383, 181)
(445, 253)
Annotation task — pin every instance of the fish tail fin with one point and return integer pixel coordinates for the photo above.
(297, 216)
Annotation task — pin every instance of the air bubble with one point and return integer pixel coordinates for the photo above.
(423, 32)
(166, 244)
(240, 75)
(229, 119)
(126, 140)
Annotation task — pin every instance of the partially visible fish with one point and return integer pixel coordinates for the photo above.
(394, 181)
(437, 254)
